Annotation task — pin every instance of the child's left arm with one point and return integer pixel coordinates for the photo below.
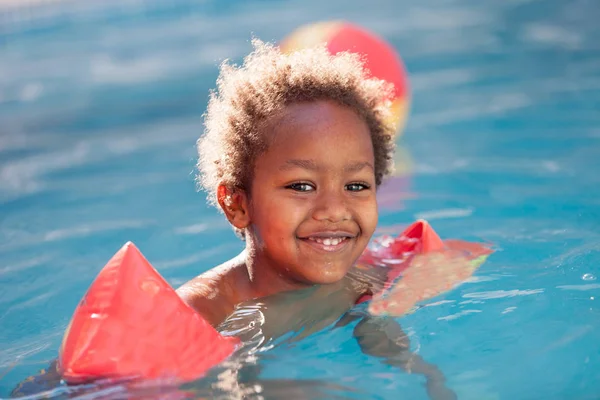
(384, 338)
(427, 276)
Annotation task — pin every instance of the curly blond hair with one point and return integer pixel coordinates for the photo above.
(269, 80)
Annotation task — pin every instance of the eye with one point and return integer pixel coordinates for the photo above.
(357, 186)
(301, 187)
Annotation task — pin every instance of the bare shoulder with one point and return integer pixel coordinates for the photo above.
(210, 293)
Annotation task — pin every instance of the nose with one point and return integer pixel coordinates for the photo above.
(331, 206)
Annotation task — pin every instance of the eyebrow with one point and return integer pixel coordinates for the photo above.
(312, 166)
(294, 163)
(357, 166)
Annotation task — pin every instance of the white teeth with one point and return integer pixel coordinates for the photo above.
(328, 241)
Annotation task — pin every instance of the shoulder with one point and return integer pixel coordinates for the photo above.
(208, 295)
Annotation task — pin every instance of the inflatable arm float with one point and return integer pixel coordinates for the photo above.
(132, 324)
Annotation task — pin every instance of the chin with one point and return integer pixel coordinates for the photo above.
(329, 280)
(325, 279)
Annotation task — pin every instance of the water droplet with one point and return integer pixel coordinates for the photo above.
(588, 277)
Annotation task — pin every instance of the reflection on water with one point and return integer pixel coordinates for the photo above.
(235, 380)
(100, 107)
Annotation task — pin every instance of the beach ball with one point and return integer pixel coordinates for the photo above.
(380, 58)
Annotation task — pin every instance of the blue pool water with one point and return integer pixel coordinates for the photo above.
(100, 107)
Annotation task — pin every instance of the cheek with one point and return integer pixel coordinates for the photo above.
(370, 217)
(274, 216)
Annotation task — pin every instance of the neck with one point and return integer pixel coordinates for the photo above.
(264, 278)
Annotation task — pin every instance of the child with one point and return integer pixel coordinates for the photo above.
(294, 150)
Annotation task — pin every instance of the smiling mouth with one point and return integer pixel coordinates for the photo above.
(327, 244)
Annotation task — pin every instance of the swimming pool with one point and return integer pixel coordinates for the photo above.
(100, 108)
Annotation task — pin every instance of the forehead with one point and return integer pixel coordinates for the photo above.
(321, 128)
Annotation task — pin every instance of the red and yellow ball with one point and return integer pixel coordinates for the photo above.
(381, 59)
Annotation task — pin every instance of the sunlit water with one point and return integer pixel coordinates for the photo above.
(100, 107)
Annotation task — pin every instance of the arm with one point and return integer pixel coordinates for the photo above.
(381, 337)
(384, 338)
(206, 300)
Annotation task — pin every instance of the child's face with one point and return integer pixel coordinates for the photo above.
(312, 208)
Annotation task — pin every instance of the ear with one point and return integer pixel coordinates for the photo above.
(235, 206)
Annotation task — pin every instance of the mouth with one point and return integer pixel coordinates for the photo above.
(329, 243)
